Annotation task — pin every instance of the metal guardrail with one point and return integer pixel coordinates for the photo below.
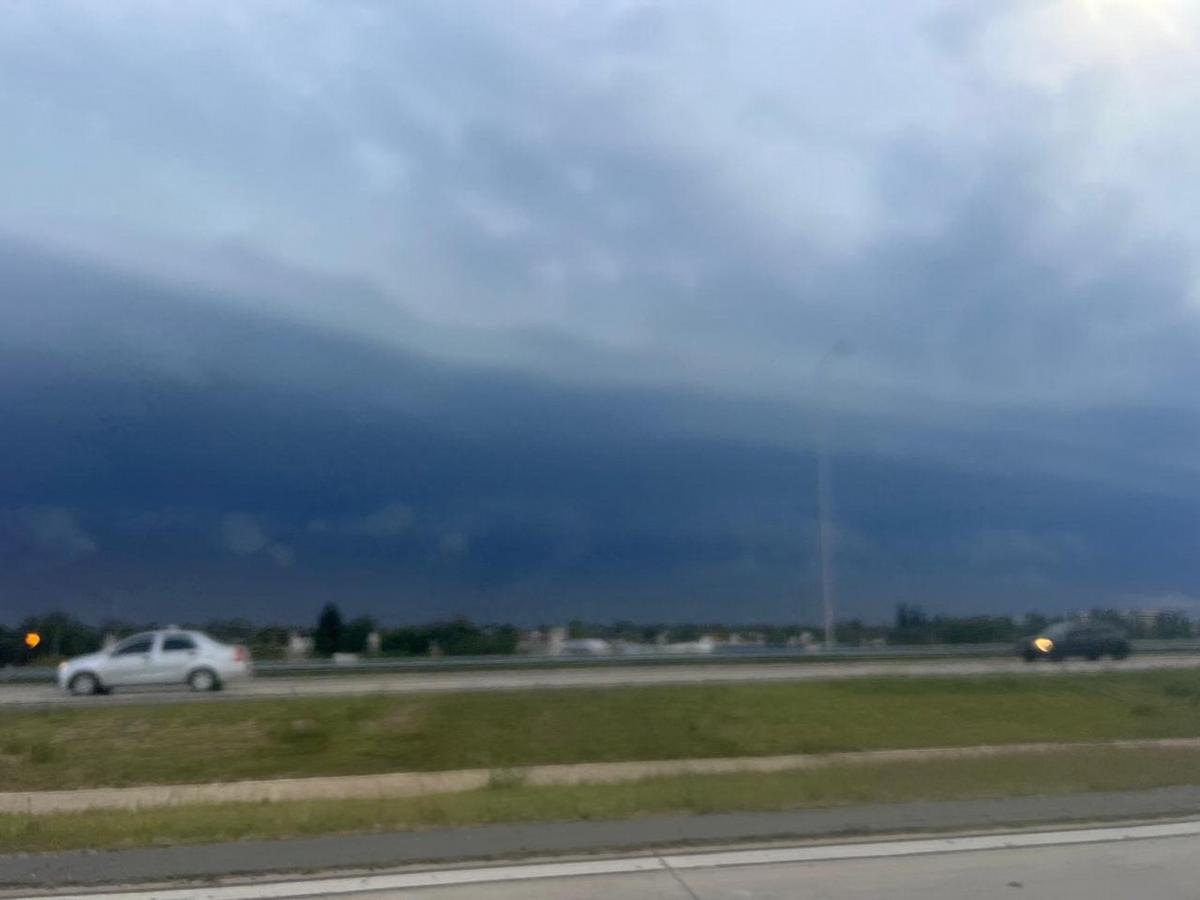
(730, 655)
(720, 655)
(1174, 645)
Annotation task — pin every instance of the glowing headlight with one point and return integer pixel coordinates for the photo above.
(1044, 644)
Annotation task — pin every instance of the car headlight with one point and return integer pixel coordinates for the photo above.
(1044, 644)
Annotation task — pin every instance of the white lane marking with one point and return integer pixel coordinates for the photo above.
(626, 865)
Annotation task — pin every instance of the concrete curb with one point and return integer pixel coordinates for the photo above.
(416, 784)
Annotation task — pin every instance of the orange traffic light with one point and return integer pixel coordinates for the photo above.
(32, 639)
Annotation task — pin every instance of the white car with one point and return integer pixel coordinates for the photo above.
(166, 657)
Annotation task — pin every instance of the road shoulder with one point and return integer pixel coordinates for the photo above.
(370, 851)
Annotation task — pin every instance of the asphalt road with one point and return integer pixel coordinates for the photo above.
(607, 676)
(79, 868)
(1150, 869)
(1147, 861)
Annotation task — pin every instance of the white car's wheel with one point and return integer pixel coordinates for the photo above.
(84, 685)
(203, 680)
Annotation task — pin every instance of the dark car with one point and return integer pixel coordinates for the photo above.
(1065, 639)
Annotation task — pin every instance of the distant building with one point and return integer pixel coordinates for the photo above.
(299, 646)
(633, 648)
(542, 642)
(1146, 618)
(706, 644)
(531, 642)
(585, 647)
(556, 640)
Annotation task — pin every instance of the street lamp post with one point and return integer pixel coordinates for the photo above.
(825, 536)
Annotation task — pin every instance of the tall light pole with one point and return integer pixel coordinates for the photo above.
(825, 536)
(825, 533)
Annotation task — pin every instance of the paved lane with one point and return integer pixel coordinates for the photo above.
(428, 848)
(604, 676)
(1154, 869)
(1150, 861)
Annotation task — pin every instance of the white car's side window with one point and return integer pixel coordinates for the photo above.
(138, 645)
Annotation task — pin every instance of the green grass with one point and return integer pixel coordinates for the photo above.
(508, 801)
(158, 744)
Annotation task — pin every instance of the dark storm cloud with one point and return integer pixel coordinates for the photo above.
(532, 312)
(415, 489)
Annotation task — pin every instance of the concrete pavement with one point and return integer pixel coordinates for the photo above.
(1151, 861)
(16, 695)
(441, 846)
(1164, 868)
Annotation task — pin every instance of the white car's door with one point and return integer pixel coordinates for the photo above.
(130, 662)
(175, 657)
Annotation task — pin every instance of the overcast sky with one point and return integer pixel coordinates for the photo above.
(534, 310)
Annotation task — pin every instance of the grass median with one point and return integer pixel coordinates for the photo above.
(297, 737)
(1046, 773)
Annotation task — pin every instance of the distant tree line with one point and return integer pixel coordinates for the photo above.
(62, 635)
(459, 637)
(59, 635)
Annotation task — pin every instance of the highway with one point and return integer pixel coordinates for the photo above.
(35, 695)
(1151, 861)
(1163, 868)
(1152, 868)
